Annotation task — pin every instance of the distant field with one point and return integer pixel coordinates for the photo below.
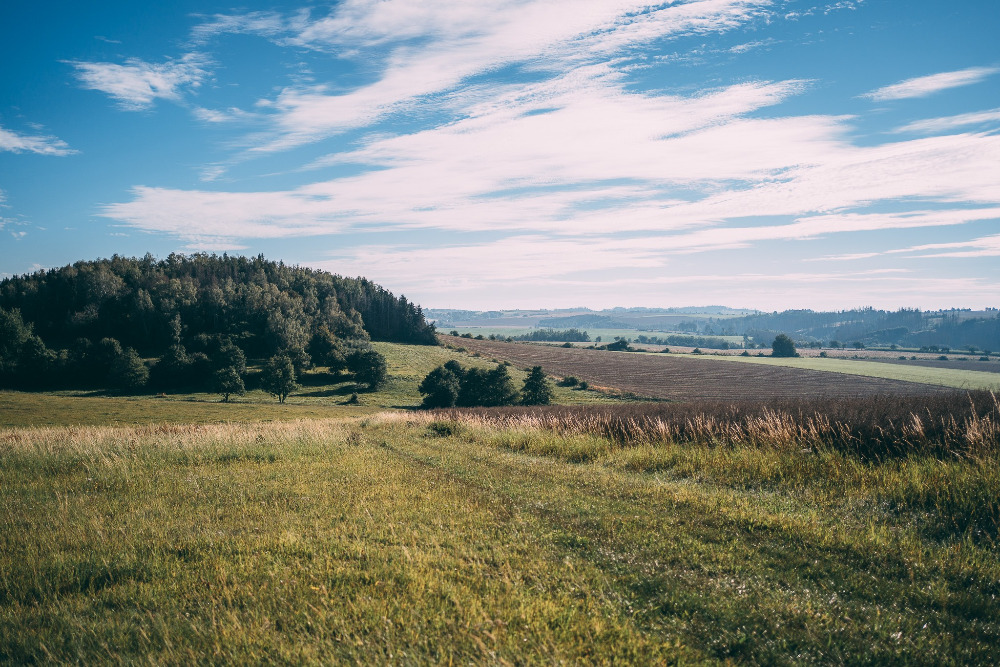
(606, 335)
(318, 398)
(687, 377)
(959, 378)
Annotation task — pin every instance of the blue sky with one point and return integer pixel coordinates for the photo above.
(755, 153)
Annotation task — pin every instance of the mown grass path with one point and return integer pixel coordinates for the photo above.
(389, 541)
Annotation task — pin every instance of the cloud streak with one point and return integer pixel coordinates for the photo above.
(922, 86)
(15, 142)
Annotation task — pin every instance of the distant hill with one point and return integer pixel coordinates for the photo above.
(955, 329)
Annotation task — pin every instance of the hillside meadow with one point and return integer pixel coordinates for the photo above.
(320, 396)
(481, 537)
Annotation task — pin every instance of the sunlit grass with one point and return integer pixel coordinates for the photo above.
(405, 537)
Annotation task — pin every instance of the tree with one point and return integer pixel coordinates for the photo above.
(278, 378)
(368, 367)
(441, 387)
(226, 381)
(537, 390)
(499, 388)
(783, 346)
(127, 371)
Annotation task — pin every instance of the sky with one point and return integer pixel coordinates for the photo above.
(490, 154)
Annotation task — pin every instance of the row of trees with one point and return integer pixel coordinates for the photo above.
(453, 385)
(208, 363)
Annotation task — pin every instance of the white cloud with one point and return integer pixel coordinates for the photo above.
(985, 246)
(137, 84)
(948, 123)
(43, 145)
(923, 86)
(429, 48)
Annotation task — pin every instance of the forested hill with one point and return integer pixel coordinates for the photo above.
(261, 305)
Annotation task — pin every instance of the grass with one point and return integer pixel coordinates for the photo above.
(945, 377)
(318, 398)
(423, 538)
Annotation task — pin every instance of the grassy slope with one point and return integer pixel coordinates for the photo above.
(330, 541)
(946, 377)
(317, 399)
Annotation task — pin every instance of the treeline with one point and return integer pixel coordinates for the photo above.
(686, 341)
(83, 325)
(555, 335)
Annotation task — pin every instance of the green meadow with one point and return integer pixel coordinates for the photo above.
(319, 397)
(408, 538)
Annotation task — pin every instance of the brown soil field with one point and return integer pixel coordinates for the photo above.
(676, 378)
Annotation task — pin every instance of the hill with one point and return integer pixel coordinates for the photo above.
(54, 323)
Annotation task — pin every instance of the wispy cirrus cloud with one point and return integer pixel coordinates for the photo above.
(428, 49)
(984, 246)
(948, 123)
(923, 86)
(137, 84)
(15, 142)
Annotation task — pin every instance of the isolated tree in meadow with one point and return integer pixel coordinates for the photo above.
(441, 387)
(783, 346)
(278, 378)
(537, 389)
(227, 381)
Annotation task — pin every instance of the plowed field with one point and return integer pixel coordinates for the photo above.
(679, 378)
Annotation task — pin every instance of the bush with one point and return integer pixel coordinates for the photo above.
(569, 381)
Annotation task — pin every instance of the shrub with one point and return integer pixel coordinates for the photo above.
(569, 381)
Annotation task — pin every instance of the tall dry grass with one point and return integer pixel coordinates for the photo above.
(961, 424)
